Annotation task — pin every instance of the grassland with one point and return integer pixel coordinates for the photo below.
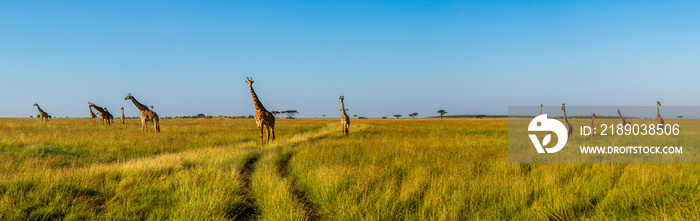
(387, 169)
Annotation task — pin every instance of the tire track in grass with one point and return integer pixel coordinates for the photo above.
(283, 167)
(280, 197)
(310, 210)
(248, 209)
(619, 170)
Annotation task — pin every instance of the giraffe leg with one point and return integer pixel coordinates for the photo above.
(156, 124)
(260, 129)
(268, 134)
(272, 127)
(143, 124)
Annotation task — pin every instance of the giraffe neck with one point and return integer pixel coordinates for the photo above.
(565, 119)
(620, 115)
(258, 105)
(40, 110)
(658, 114)
(592, 119)
(138, 105)
(98, 108)
(540, 110)
(342, 105)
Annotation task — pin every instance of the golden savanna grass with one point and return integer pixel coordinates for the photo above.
(386, 169)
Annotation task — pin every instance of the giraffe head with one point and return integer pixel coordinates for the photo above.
(128, 97)
(122, 108)
(36, 104)
(658, 103)
(90, 104)
(342, 98)
(618, 111)
(250, 81)
(593, 114)
(563, 106)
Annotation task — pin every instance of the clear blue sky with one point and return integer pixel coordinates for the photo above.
(385, 57)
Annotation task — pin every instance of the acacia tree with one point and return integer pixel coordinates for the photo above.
(397, 116)
(442, 113)
(290, 113)
(413, 115)
(324, 116)
(275, 113)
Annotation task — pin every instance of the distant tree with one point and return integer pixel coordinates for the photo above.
(324, 116)
(38, 116)
(201, 115)
(355, 115)
(397, 116)
(275, 113)
(31, 116)
(680, 117)
(361, 118)
(413, 115)
(442, 113)
(290, 113)
(383, 117)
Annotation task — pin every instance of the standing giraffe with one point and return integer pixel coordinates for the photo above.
(622, 119)
(344, 119)
(123, 115)
(592, 125)
(659, 119)
(109, 116)
(43, 115)
(92, 114)
(569, 128)
(263, 118)
(146, 114)
(540, 110)
(104, 114)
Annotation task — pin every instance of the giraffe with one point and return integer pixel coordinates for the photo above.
(569, 128)
(592, 125)
(344, 119)
(263, 118)
(540, 110)
(123, 115)
(146, 114)
(92, 114)
(109, 116)
(43, 115)
(151, 107)
(659, 119)
(104, 114)
(622, 119)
